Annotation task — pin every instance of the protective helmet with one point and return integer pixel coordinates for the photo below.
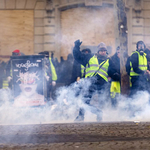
(140, 42)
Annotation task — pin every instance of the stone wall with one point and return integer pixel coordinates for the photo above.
(47, 29)
(138, 23)
(47, 33)
(89, 24)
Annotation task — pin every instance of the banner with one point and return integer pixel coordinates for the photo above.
(28, 80)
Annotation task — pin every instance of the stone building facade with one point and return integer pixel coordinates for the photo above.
(54, 25)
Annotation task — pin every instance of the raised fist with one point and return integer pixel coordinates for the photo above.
(77, 43)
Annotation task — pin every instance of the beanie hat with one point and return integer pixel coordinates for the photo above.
(16, 52)
(102, 46)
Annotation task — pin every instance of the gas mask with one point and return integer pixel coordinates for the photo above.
(141, 51)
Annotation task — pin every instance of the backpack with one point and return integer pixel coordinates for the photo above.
(128, 67)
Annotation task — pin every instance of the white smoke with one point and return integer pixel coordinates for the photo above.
(68, 102)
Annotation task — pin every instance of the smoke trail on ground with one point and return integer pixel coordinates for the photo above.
(68, 102)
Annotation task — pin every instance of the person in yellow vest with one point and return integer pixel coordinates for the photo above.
(139, 69)
(97, 66)
(50, 73)
(114, 72)
(78, 70)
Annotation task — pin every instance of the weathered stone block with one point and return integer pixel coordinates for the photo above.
(38, 22)
(146, 40)
(2, 4)
(10, 4)
(40, 5)
(146, 31)
(39, 13)
(137, 38)
(146, 13)
(49, 38)
(38, 39)
(49, 21)
(49, 30)
(137, 22)
(146, 5)
(49, 47)
(38, 48)
(30, 4)
(63, 1)
(38, 30)
(147, 22)
(137, 30)
(20, 4)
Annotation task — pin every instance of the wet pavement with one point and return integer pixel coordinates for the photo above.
(115, 135)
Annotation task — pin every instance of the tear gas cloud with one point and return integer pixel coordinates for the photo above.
(68, 102)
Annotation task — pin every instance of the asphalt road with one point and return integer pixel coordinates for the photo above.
(115, 136)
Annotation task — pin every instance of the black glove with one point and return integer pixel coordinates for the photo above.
(77, 43)
(116, 76)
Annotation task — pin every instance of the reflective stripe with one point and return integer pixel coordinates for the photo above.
(104, 69)
(93, 65)
(83, 71)
(102, 73)
(91, 71)
(142, 64)
(5, 84)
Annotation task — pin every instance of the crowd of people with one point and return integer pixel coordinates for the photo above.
(102, 70)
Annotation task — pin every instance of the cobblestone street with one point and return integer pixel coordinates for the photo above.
(115, 136)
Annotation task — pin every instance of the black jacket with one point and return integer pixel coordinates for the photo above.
(76, 71)
(84, 60)
(135, 63)
(114, 68)
(80, 57)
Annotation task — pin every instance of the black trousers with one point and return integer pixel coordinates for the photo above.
(96, 86)
(139, 83)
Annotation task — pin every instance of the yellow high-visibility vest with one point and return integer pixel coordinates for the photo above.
(82, 71)
(115, 88)
(103, 71)
(93, 67)
(54, 75)
(5, 84)
(142, 64)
